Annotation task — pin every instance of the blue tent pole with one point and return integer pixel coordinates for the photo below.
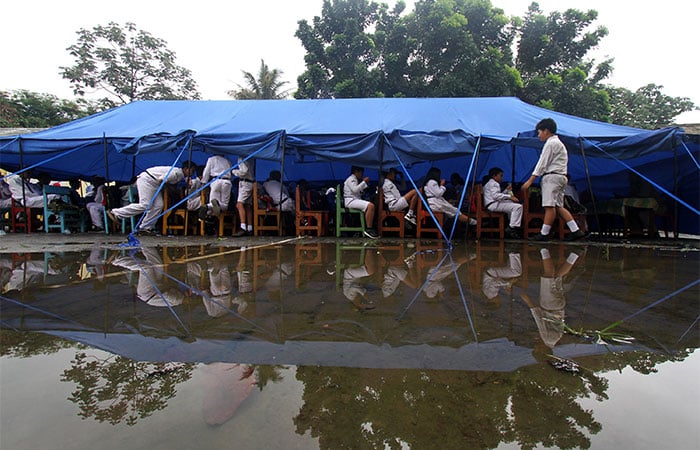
(421, 198)
(475, 164)
(475, 158)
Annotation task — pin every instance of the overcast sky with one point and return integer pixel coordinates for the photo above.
(651, 41)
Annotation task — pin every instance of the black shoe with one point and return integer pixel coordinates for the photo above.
(512, 233)
(240, 232)
(370, 233)
(539, 237)
(202, 213)
(148, 232)
(575, 236)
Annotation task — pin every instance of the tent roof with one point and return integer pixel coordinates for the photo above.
(502, 117)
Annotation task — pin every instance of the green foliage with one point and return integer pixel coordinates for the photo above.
(128, 64)
(647, 107)
(34, 110)
(445, 48)
(266, 86)
(551, 61)
(342, 56)
(118, 389)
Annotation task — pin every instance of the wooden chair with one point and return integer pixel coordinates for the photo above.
(310, 259)
(266, 218)
(384, 215)
(341, 212)
(309, 222)
(487, 221)
(67, 216)
(228, 220)
(178, 219)
(424, 222)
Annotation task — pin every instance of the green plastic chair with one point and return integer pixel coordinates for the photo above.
(340, 211)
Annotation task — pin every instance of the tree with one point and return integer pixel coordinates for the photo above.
(128, 64)
(342, 58)
(646, 108)
(462, 48)
(34, 110)
(445, 48)
(551, 53)
(267, 85)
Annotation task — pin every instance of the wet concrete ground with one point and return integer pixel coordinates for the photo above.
(18, 242)
(347, 343)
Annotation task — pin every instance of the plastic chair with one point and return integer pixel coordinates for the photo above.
(341, 212)
(65, 214)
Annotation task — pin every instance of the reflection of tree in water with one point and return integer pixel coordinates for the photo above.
(118, 389)
(385, 408)
(23, 344)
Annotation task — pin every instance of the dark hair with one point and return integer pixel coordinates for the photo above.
(547, 124)
(433, 174)
(354, 169)
(275, 175)
(189, 165)
(495, 171)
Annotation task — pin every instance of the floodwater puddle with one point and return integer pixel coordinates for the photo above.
(336, 345)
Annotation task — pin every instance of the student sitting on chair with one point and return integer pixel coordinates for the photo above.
(503, 201)
(278, 192)
(395, 201)
(434, 189)
(353, 188)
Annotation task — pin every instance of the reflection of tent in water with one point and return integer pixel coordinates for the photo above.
(317, 139)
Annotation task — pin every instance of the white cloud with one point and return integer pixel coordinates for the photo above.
(651, 42)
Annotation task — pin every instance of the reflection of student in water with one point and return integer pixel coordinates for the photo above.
(396, 274)
(449, 267)
(549, 314)
(220, 288)
(354, 279)
(496, 278)
(224, 386)
(150, 287)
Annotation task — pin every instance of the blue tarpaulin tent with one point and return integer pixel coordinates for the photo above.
(318, 139)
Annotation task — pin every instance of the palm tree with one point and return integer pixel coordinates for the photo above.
(266, 86)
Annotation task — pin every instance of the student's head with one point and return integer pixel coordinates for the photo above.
(44, 178)
(189, 168)
(433, 174)
(547, 124)
(496, 173)
(391, 174)
(74, 183)
(97, 180)
(357, 171)
(275, 175)
(456, 179)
